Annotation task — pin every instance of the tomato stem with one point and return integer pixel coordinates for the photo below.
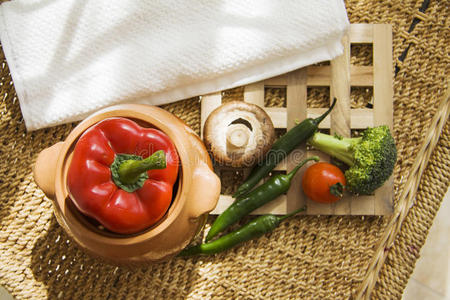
(337, 189)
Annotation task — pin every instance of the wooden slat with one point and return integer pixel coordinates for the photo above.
(382, 89)
(361, 33)
(254, 93)
(296, 109)
(383, 104)
(340, 115)
(385, 196)
(277, 81)
(222, 204)
(359, 76)
(360, 118)
(278, 116)
(277, 207)
(341, 120)
(208, 104)
(340, 89)
(321, 76)
(362, 205)
(282, 166)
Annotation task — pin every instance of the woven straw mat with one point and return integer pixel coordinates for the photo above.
(307, 257)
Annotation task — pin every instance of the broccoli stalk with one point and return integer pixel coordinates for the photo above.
(371, 157)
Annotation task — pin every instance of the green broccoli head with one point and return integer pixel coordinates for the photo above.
(374, 159)
(371, 157)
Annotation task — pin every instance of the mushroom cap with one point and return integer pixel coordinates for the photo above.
(238, 134)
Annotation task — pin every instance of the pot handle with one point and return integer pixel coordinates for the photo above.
(44, 170)
(204, 192)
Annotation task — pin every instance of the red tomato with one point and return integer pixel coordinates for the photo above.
(323, 182)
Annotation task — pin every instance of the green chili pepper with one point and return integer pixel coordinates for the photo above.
(274, 187)
(251, 230)
(280, 149)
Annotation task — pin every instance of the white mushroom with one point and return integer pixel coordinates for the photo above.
(238, 134)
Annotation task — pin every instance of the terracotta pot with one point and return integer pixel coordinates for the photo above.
(185, 217)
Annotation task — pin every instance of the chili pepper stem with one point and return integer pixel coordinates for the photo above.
(284, 145)
(292, 213)
(323, 116)
(254, 229)
(294, 171)
(272, 188)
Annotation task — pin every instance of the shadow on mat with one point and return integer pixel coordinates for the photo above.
(18, 152)
(69, 273)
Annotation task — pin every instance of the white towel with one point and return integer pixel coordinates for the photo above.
(69, 58)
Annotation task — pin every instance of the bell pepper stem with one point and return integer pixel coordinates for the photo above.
(130, 170)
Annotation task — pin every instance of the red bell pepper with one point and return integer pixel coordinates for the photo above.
(122, 174)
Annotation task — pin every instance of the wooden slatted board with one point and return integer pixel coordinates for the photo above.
(340, 76)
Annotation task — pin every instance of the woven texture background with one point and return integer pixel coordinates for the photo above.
(306, 257)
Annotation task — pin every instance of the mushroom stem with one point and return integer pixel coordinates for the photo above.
(238, 135)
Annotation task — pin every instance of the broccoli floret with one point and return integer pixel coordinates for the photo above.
(371, 157)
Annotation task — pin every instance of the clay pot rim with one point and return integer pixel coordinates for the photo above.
(130, 111)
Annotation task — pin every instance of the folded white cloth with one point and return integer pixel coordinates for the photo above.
(69, 58)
